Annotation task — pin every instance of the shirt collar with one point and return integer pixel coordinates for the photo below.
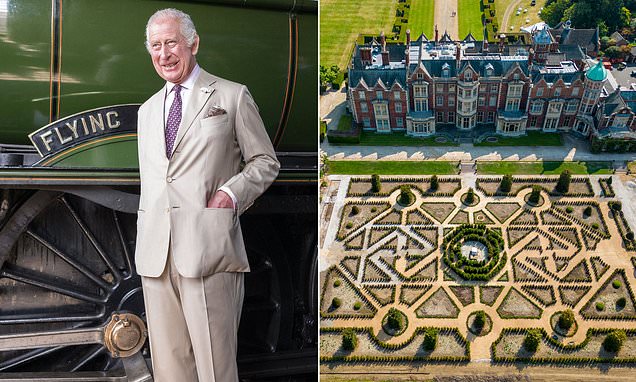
(188, 83)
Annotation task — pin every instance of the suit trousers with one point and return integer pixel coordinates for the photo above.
(192, 325)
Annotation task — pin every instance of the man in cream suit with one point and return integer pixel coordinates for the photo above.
(193, 134)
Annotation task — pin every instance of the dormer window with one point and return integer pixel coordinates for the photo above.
(489, 70)
(468, 76)
(557, 92)
(515, 76)
(446, 71)
(420, 76)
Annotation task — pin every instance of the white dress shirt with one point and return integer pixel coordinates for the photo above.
(186, 93)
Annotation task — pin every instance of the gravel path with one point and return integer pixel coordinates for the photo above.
(444, 18)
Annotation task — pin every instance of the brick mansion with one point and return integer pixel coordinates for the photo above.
(546, 80)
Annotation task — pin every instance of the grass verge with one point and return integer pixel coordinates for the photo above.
(543, 168)
(421, 18)
(533, 138)
(381, 167)
(341, 21)
(469, 19)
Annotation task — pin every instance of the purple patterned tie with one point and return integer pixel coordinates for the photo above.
(174, 120)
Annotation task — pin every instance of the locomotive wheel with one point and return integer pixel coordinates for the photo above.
(67, 263)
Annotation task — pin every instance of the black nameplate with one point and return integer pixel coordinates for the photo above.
(84, 127)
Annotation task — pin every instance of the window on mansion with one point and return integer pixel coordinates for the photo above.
(575, 91)
(620, 120)
(514, 90)
(494, 88)
(421, 127)
(537, 107)
(512, 104)
(361, 95)
(421, 104)
(380, 110)
(539, 92)
(398, 107)
(557, 92)
(396, 95)
(571, 106)
(363, 107)
(379, 94)
(420, 91)
(555, 107)
(468, 75)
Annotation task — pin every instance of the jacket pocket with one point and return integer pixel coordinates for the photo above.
(214, 121)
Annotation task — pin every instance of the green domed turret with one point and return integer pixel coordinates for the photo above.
(597, 72)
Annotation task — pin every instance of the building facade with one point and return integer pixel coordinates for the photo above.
(543, 81)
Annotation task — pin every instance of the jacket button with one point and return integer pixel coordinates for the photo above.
(169, 179)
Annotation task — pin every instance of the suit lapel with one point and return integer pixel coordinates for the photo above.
(156, 128)
(197, 101)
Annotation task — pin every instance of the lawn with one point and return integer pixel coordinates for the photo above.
(518, 21)
(421, 18)
(381, 167)
(533, 138)
(398, 139)
(341, 21)
(344, 124)
(469, 18)
(542, 168)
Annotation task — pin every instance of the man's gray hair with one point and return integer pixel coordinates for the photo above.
(186, 26)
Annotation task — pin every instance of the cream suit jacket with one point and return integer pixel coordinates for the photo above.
(207, 155)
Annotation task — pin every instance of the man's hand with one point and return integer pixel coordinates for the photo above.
(220, 200)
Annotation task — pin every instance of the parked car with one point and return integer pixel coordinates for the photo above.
(533, 3)
(633, 73)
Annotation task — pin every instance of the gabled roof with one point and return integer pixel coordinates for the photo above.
(469, 38)
(371, 76)
(613, 103)
(446, 37)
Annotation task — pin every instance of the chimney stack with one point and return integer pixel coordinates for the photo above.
(408, 37)
(385, 58)
(436, 35)
(458, 55)
(365, 55)
(383, 41)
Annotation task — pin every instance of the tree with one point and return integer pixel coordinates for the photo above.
(395, 320)
(621, 302)
(405, 195)
(375, 183)
(553, 13)
(614, 341)
(566, 319)
(430, 339)
(470, 196)
(563, 184)
(587, 211)
(613, 52)
(480, 320)
(349, 339)
(535, 195)
(532, 340)
(434, 183)
(336, 302)
(506, 183)
(328, 75)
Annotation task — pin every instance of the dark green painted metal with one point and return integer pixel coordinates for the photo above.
(302, 125)
(25, 43)
(104, 61)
